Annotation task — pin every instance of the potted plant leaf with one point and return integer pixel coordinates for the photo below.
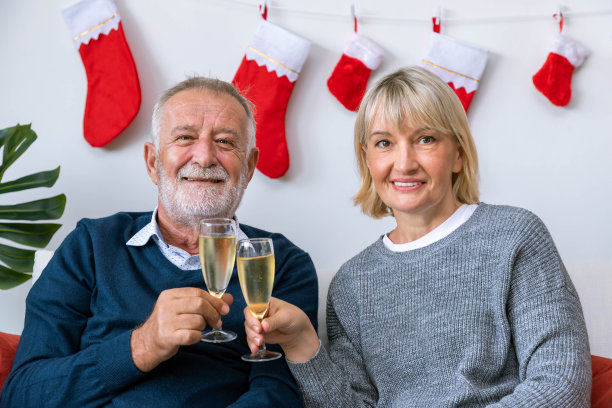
(16, 263)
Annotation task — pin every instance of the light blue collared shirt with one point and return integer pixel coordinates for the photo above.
(179, 257)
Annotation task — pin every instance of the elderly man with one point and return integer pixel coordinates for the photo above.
(116, 317)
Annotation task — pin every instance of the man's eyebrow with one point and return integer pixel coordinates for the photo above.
(226, 131)
(183, 128)
(194, 129)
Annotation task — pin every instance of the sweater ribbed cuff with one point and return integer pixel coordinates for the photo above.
(116, 367)
(311, 374)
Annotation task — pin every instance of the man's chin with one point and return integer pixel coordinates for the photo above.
(210, 210)
(193, 219)
(188, 206)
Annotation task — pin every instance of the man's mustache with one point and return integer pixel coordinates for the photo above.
(196, 171)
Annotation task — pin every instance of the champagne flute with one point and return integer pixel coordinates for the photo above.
(217, 239)
(255, 259)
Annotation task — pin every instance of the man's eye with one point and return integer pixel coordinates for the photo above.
(383, 143)
(185, 137)
(226, 141)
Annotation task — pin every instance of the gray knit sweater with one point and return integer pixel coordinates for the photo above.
(486, 316)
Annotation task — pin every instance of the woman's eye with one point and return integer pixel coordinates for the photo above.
(427, 140)
(383, 143)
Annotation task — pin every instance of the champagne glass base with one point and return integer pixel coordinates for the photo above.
(218, 336)
(262, 355)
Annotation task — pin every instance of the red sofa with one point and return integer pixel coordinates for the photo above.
(8, 347)
(601, 396)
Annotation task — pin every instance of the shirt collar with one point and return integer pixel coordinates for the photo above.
(151, 231)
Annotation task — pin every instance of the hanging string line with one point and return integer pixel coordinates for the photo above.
(425, 20)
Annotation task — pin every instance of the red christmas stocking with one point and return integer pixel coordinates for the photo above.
(113, 90)
(266, 77)
(460, 65)
(350, 76)
(554, 79)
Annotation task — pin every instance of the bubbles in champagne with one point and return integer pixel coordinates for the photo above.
(256, 280)
(217, 254)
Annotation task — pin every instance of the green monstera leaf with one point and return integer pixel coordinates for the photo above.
(16, 263)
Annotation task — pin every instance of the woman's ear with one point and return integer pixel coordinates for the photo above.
(458, 165)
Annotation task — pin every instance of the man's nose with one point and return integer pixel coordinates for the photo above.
(204, 152)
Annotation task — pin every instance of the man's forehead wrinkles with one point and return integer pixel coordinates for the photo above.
(179, 128)
(199, 112)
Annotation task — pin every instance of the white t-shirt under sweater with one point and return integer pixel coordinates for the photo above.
(461, 215)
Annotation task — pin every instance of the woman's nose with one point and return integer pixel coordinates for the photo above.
(406, 158)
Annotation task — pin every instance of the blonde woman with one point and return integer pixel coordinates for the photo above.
(462, 304)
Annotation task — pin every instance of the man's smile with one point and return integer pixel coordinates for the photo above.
(203, 180)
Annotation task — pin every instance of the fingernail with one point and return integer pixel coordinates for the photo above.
(225, 309)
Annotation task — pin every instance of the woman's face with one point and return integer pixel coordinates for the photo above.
(412, 167)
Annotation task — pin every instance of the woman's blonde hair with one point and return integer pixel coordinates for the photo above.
(416, 96)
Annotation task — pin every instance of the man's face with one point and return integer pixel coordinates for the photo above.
(201, 167)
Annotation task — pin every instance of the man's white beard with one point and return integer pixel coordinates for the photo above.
(187, 202)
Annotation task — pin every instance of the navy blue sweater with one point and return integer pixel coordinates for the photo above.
(75, 347)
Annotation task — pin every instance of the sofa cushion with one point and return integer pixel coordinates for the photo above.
(8, 347)
(601, 396)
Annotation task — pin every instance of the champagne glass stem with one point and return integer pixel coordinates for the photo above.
(262, 347)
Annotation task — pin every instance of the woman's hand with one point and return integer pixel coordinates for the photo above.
(286, 325)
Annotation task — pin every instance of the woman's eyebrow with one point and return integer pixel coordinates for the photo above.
(416, 131)
(425, 129)
(379, 132)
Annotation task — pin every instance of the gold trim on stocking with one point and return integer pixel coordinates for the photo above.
(448, 70)
(93, 28)
(273, 60)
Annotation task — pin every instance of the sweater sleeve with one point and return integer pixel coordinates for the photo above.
(338, 378)
(50, 368)
(548, 329)
(271, 383)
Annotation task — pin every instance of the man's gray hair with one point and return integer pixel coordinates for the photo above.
(209, 84)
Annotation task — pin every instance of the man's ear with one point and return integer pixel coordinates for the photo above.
(150, 156)
(252, 162)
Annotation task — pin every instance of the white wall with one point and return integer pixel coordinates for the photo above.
(553, 161)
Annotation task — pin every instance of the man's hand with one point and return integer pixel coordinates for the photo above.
(286, 325)
(178, 318)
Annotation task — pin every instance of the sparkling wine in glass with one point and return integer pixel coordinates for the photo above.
(217, 241)
(255, 260)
